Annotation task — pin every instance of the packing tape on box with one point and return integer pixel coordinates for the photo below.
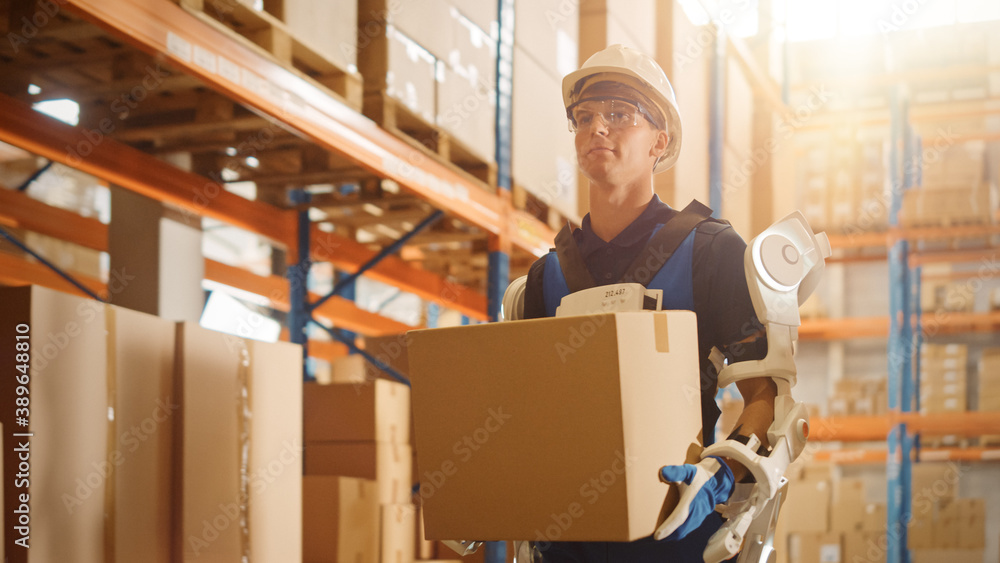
(110, 326)
(244, 414)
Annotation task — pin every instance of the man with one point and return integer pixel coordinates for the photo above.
(622, 111)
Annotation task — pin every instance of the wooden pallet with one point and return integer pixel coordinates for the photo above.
(536, 207)
(267, 34)
(433, 140)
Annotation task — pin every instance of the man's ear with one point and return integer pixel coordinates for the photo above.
(659, 147)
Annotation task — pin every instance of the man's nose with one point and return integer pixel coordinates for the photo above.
(598, 125)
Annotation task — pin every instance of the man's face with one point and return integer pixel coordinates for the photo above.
(614, 147)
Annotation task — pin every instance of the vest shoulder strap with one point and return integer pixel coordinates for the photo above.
(574, 269)
(664, 243)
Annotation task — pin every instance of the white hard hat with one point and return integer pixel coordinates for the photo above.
(618, 59)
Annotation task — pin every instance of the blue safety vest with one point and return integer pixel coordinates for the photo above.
(674, 278)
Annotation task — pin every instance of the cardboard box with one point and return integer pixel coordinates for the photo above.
(424, 546)
(572, 416)
(387, 463)
(466, 109)
(340, 520)
(869, 547)
(807, 508)
(816, 547)
(848, 510)
(326, 27)
(874, 518)
(420, 20)
(482, 12)
(90, 478)
(920, 534)
(398, 533)
(543, 156)
(213, 372)
(395, 64)
(348, 369)
(947, 556)
(377, 411)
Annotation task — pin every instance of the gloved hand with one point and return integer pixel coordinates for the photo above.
(703, 485)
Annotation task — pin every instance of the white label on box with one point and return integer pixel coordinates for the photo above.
(229, 70)
(204, 58)
(951, 348)
(950, 363)
(951, 403)
(829, 553)
(178, 47)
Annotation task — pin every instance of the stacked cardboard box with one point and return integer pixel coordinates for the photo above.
(955, 206)
(943, 377)
(815, 526)
(438, 59)
(202, 456)
(989, 389)
(358, 439)
(543, 157)
(859, 396)
(812, 181)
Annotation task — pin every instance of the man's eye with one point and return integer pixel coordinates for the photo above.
(621, 117)
(584, 118)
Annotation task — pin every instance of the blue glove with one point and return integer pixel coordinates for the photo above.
(703, 485)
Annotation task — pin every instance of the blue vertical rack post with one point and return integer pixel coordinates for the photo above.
(901, 341)
(298, 280)
(716, 119)
(499, 262)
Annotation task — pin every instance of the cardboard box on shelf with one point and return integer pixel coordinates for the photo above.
(376, 411)
(249, 394)
(466, 109)
(486, 416)
(947, 556)
(543, 158)
(816, 547)
(420, 20)
(81, 360)
(424, 546)
(847, 512)
(807, 507)
(482, 12)
(867, 546)
(348, 369)
(928, 351)
(920, 534)
(398, 533)
(387, 463)
(391, 350)
(326, 27)
(340, 520)
(874, 518)
(397, 65)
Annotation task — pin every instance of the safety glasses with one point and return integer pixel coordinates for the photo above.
(615, 113)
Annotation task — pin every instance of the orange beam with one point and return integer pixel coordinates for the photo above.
(320, 349)
(884, 239)
(933, 324)
(876, 428)
(120, 164)
(287, 97)
(16, 271)
(342, 312)
(843, 328)
(22, 211)
(987, 255)
(869, 456)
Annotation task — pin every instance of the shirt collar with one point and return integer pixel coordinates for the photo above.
(639, 230)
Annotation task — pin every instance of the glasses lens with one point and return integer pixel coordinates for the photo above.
(614, 114)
